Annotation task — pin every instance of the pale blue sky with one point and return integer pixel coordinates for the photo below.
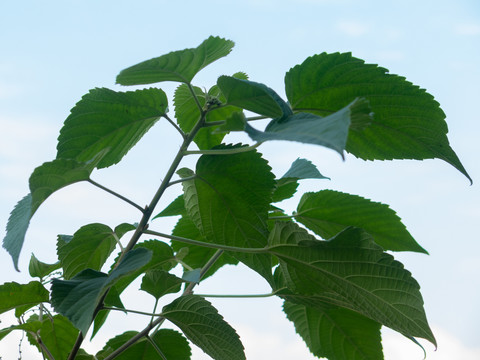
(53, 52)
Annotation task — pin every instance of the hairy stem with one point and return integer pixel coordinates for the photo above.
(116, 194)
(129, 310)
(223, 151)
(181, 180)
(237, 296)
(184, 136)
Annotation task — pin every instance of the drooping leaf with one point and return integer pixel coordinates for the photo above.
(89, 248)
(408, 123)
(328, 212)
(108, 120)
(78, 298)
(197, 256)
(29, 326)
(336, 333)
(288, 183)
(176, 207)
(17, 226)
(13, 295)
(170, 342)
(253, 96)
(228, 201)
(37, 268)
(350, 271)
(158, 283)
(179, 66)
(330, 131)
(234, 122)
(123, 228)
(205, 327)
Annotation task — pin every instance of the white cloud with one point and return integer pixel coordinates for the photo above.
(468, 29)
(352, 28)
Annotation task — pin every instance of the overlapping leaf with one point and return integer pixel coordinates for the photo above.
(108, 120)
(353, 272)
(328, 212)
(37, 268)
(59, 335)
(330, 131)
(229, 200)
(408, 122)
(13, 295)
(89, 248)
(78, 298)
(205, 327)
(176, 207)
(158, 283)
(170, 342)
(336, 333)
(179, 66)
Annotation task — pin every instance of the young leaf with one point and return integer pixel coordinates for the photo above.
(350, 271)
(408, 122)
(336, 333)
(13, 295)
(205, 327)
(176, 207)
(123, 228)
(78, 298)
(89, 248)
(170, 342)
(17, 228)
(229, 200)
(330, 131)
(39, 269)
(179, 66)
(108, 120)
(158, 283)
(253, 96)
(328, 212)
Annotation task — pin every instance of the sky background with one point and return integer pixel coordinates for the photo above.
(53, 52)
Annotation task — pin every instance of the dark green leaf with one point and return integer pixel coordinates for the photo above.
(58, 335)
(353, 272)
(330, 131)
(89, 248)
(17, 228)
(336, 333)
(408, 122)
(112, 299)
(253, 96)
(39, 269)
(13, 295)
(77, 298)
(179, 66)
(197, 256)
(205, 327)
(158, 283)
(176, 207)
(105, 120)
(171, 343)
(228, 201)
(328, 212)
(234, 122)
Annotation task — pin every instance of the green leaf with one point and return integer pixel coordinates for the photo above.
(112, 299)
(330, 131)
(350, 271)
(197, 256)
(179, 66)
(59, 335)
(123, 228)
(176, 207)
(30, 326)
(408, 122)
(78, 298)
(205, 327)
(170, 342)
(287, 184)
(13, 295)
(56, 174)
(328, 212)
(234, 122)
(17, 226)
(336, 333)
(89, 248)
(253, 96)
(106, 120)
(158, 283)
(39, 269)
(228, 201)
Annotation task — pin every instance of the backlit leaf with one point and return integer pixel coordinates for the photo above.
(37, 268)
(108, 120)
(205, 327)
(13, 295)
(179, 66)
(408, 123)
(158, 283)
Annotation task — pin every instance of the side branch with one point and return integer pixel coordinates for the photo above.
(116, 194)
(223, 152)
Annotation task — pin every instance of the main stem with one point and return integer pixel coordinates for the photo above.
(147, 212)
